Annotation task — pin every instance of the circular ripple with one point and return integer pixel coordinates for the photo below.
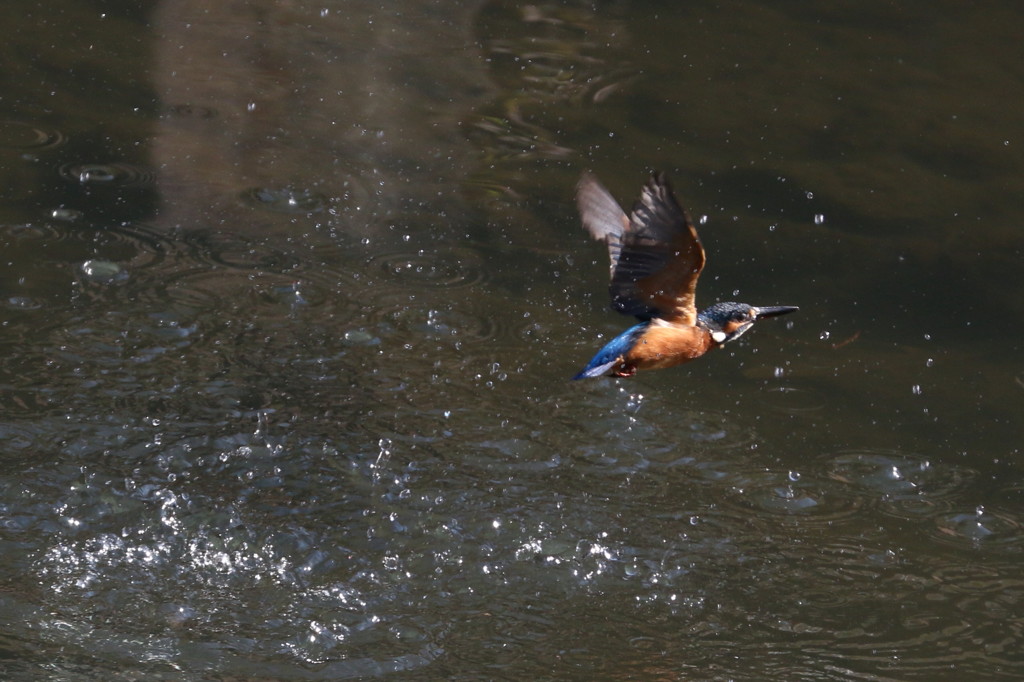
(980, 528)
(20, 438)
(281, 291)
(26, 136)
(248, 272)
(273, 297)
(22, 303)
(713, 430)
(456, 267)
(14, 235)
(130, 246)
(293, 200)
(107, 174)
(240, 252)
(911, 485)
(204, 289)
(136, 246)
(431, 317)
(916, 507)
(349, 191)
(784, 494)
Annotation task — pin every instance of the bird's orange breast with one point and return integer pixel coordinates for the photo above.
(668, 345)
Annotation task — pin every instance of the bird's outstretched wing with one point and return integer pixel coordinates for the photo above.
(601, 215)
(656, 255)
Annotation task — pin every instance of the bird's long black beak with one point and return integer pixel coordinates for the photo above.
(773, 310)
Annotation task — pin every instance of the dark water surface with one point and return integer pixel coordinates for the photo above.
(290, 293)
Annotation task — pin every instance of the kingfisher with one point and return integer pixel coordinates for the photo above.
(656, 258)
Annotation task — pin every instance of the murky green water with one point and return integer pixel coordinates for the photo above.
(291, 292)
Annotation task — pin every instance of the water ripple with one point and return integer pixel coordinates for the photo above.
(114, 174)
(412, 316)
(239, 251)
(53, 256)
(231, 271)
(790, 494)
(911, 486)
(286, 199)
(981, 528)
(28, 136)
(451, 268)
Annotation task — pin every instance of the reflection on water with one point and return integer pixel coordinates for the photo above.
(285, 394)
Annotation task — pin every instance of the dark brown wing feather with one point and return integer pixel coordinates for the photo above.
(656, 254)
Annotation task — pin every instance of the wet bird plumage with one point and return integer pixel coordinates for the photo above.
(656, 259)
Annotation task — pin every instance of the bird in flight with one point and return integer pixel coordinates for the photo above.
(656, 258)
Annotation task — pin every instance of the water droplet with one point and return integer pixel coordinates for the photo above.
(819, 218)
(916, 389)
(809, 195)
(95, 174)
(824, 336)
(929, 362)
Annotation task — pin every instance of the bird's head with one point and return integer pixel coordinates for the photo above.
(728, 321)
